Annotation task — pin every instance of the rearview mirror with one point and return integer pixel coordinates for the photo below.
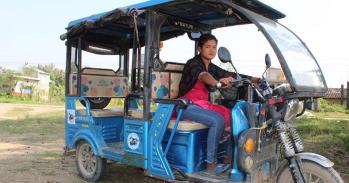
(267, 60)
(224, 55)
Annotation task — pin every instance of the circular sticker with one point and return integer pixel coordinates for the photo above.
(133, 141)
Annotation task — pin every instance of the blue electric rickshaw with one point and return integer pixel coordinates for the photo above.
(265, 147)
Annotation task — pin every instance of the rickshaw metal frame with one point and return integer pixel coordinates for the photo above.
(154, 19)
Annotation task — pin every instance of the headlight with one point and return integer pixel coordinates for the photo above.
(249, 146)
(291, 110)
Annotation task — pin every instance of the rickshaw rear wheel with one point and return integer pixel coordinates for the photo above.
(97, 102)
(90, 167)
(312, 172)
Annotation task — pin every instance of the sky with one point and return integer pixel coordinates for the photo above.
(30, 31)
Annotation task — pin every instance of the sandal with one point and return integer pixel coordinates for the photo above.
(221, 168)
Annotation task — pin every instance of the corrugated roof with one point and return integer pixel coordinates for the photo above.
(335, 93)
(113, 30)
(28, 78)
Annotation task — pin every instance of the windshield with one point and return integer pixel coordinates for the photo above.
(298, 63)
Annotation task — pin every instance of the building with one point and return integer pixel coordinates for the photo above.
(37, 86)
(333, 96)
(275, 76)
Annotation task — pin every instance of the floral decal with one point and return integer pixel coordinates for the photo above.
(100, 86)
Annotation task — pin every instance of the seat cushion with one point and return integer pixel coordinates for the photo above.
(100, 113)
(135, 113)
(165, 84)
(99, 85)
(187, 125)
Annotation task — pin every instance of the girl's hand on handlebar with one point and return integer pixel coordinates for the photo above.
(227, 81)
(255, 80)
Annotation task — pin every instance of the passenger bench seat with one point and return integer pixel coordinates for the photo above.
(165, 85)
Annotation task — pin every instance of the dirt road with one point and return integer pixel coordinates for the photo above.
(31, 148)
(17, 111)
(26, 156)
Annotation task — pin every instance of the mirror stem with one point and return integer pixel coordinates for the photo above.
(237, 74)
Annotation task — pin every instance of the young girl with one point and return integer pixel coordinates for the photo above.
(198, 74)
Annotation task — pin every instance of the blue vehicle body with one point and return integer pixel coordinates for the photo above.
(239, 124)
(148, 141)
(159, 148)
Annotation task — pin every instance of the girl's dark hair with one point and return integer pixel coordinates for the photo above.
(206, 37)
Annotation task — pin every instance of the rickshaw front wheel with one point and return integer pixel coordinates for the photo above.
(90, 167)
(312, 173)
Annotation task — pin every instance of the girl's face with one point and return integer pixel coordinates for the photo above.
(209, 50)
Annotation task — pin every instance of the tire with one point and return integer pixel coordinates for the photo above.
(97, 102)
(318, 174)
(90, 167)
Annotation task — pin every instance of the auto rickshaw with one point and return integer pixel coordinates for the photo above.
(265, 146)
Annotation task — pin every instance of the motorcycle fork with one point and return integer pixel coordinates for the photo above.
(288, 143)
(295, 170)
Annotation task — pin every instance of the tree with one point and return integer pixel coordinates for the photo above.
(7, 80)
(30, 71)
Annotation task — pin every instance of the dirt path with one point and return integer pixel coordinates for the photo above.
(31, 157)
(31, 148)
(15, 111)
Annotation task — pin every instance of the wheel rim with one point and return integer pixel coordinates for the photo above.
(87, 160)
(311, 178)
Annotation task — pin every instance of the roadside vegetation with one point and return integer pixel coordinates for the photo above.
(327, 133)
(56, 91)
(328, 110)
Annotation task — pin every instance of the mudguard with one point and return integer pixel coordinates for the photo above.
(321, 160)
(87, 136)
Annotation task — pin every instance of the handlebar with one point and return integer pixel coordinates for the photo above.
(265, 95)
(240, 82)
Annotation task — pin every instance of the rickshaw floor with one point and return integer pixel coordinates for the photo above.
(117, 147)
(205, 176)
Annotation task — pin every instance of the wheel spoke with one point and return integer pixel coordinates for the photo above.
(94, 160)
(310, 178)
(88, 167)
(317, 180)
(85, 165)
(83, 159)
(84, 152)
(91, 167)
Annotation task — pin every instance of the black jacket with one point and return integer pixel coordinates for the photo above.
(192, 70)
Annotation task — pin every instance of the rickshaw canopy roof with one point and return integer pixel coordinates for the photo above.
(114, 29)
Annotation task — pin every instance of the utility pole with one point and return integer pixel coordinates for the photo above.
(347, 95)
(342, 94)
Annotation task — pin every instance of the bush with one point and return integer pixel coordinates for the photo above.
(327, 107)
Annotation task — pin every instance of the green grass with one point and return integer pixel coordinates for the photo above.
(329, 138)
(337, 115)
(28, 100)
(19, 112)
(328, 107)
(39, 128)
